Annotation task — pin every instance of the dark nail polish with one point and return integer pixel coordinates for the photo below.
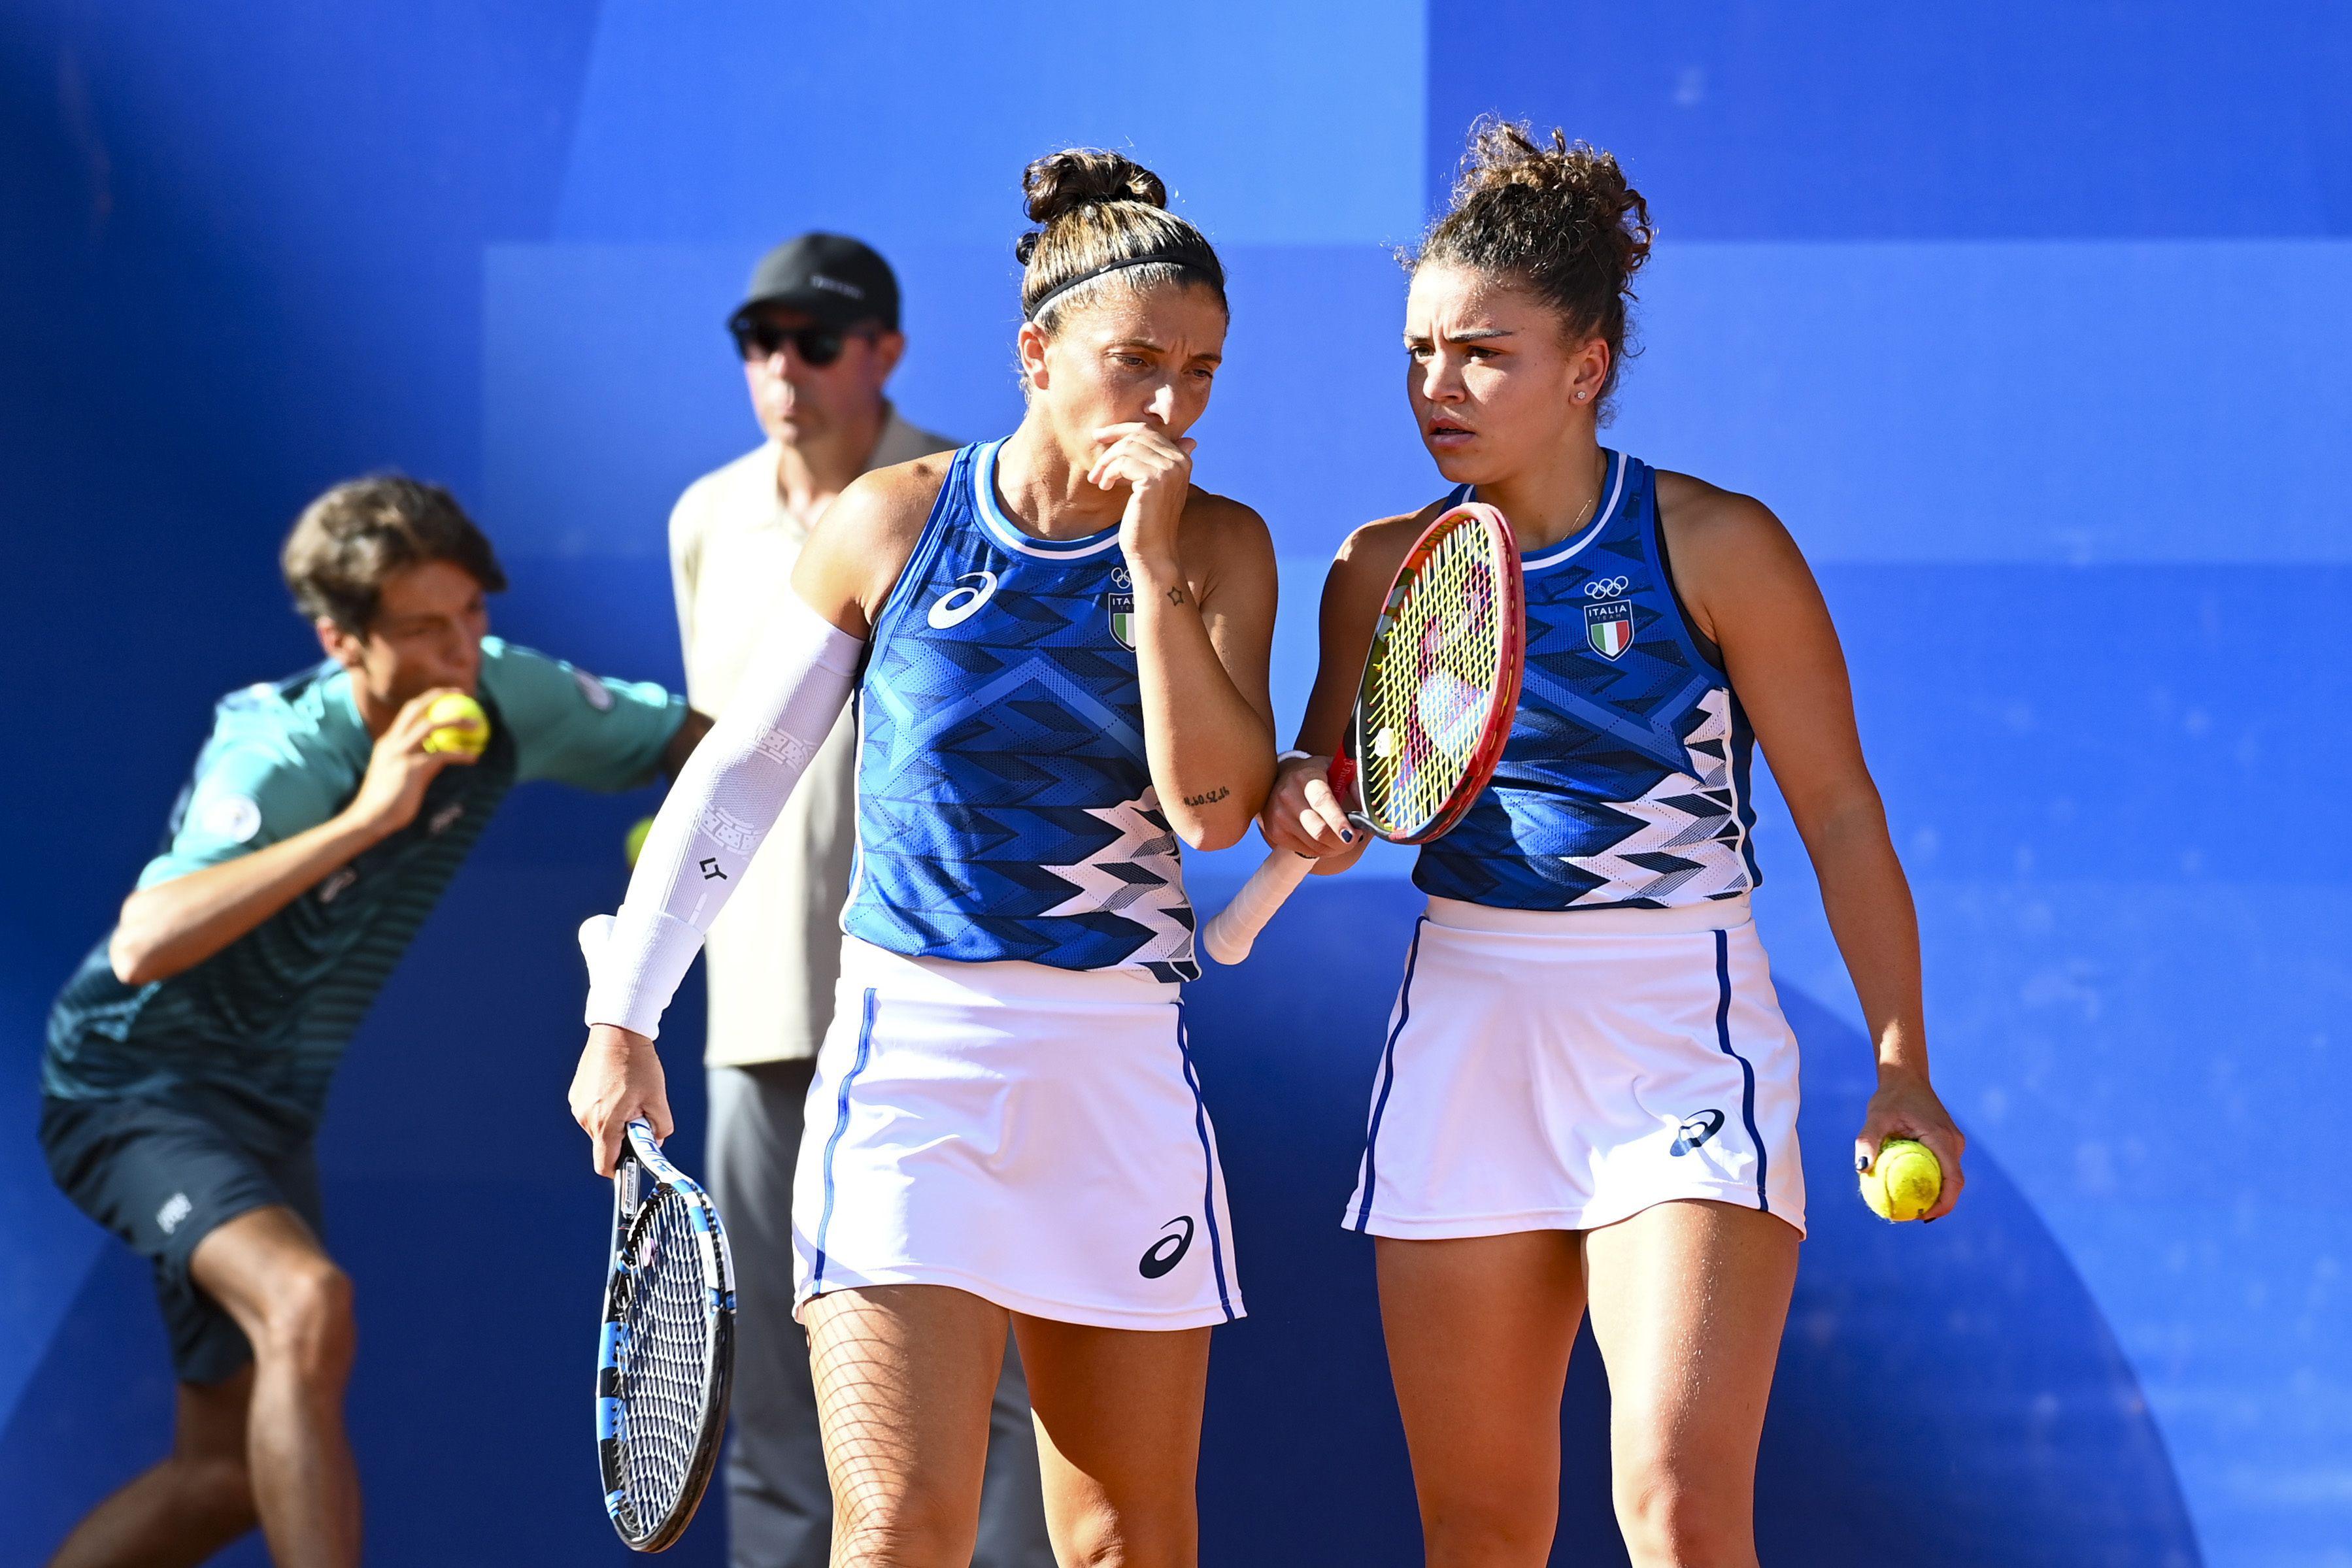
(1347, 837)
(1861, 1165)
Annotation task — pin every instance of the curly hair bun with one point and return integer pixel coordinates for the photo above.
(1063, 182)
(1556, 218)
(1572, 187)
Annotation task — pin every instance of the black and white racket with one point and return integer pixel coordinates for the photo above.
(666, 1352)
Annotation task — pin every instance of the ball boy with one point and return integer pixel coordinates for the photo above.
(188, 1058)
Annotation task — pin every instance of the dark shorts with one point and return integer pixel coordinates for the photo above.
(164, 1177)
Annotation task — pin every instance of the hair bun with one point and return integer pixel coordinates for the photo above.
(1098, 212)
(1063, 182)
(1576, 186)
(1556, 218)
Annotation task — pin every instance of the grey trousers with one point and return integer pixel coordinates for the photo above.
(779, 1504)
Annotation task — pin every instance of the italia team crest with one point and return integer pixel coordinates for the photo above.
(1609, 627)
(1121, 605)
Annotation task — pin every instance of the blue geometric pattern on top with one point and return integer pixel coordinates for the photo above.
(1005, 803)
(1625, 782)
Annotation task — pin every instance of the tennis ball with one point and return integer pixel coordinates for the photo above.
(449, 710)
(634, 844)
(1904, 1182)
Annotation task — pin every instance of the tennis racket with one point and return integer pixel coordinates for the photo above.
(1440, 688)
(667, 1353)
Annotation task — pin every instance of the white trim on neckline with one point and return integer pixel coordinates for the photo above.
(1010, 534)
(1593, 530)
(1561, 552)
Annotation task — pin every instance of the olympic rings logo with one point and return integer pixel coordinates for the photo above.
(1607, 587)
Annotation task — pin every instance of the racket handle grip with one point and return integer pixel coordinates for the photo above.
(1233, 931)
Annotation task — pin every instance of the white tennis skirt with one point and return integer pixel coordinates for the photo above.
(1031, 1134)
(1561, 1071)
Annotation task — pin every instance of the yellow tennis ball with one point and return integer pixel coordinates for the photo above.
(451, 709)
(634, 844)
(1904, 1182)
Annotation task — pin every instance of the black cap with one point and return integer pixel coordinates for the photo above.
(839, 281)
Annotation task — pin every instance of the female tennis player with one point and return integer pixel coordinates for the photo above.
(1059, 647)
(1587, 1098)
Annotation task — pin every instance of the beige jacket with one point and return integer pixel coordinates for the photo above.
(774, 951)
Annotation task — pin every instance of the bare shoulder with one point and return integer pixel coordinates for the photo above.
(892, 502)
(1707, 523)
(857, 549)
(1732, 559)
(1374, 552)
(1223, 521)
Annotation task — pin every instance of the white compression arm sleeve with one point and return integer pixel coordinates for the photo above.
(724, 802)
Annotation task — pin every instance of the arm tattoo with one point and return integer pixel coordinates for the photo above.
(1175, 596)
(1209, 798)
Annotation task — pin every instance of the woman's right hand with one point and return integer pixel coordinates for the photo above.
(1304, 815)
(619, 1080)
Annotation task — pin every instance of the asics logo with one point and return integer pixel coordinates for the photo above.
(1169, 1250)
(1607, 587)
(960, 603)
(1696, 1130)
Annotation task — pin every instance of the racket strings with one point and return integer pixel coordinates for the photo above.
(664, 1371)
(1428, 694)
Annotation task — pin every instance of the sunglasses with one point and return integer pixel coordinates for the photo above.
(816, 346)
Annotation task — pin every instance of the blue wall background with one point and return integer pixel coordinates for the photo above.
(2029, 319)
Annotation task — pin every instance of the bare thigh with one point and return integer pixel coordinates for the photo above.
(266, 1267)
(1119, 1439)
(1479, 1330)
(1688, 1300)
(904, 1375)
(267, 1270)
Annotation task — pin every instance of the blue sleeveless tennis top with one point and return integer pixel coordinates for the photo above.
(1005, 804)
(1625, 779)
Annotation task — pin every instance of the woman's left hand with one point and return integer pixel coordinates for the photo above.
(1906, 1106)
(1157, 468)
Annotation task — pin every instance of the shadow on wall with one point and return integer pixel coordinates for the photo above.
(1952, 1389)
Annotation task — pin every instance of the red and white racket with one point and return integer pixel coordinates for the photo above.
(1440, 688)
